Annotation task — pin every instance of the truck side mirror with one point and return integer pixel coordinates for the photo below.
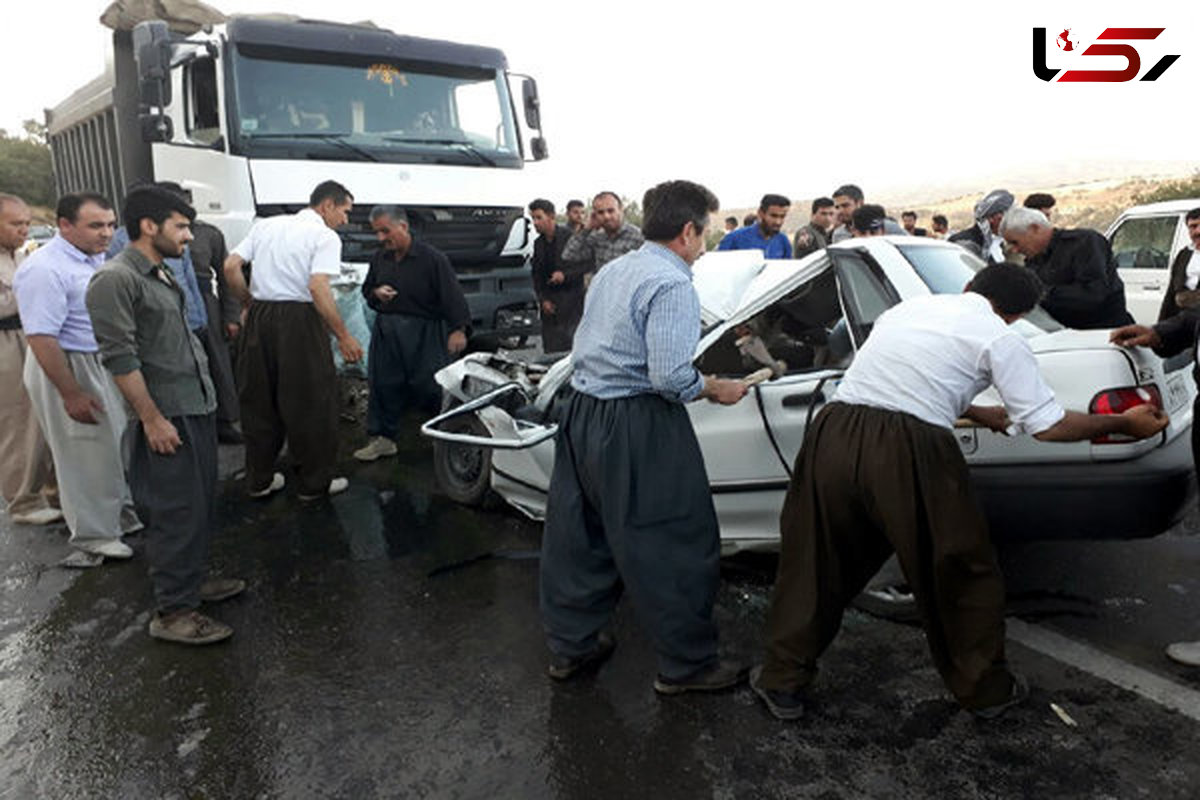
(533, 106)
(537, 146)
(152, 52)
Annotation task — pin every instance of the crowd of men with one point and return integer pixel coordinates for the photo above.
(115, 371)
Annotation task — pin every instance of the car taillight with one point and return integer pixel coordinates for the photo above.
(1118, 401)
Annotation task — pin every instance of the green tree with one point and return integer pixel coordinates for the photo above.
(35, 131)
(633, 212)
(25, 166)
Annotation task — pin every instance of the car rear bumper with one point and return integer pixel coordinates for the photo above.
(1098, 500)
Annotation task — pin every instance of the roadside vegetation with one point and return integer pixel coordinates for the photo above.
(25, 164)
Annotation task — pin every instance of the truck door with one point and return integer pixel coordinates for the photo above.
(196, 156)
(1143, 247)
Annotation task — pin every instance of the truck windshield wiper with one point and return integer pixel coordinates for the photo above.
(462, 145)
(333, 138)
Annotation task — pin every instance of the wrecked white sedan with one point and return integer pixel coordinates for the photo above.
(800, 322)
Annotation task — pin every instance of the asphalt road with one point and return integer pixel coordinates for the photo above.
(389, 646)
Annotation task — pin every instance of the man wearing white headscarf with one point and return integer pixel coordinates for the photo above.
(984, 238)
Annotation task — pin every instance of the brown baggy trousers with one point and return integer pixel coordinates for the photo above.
(287, 385)
(868, 481)
(26, 469)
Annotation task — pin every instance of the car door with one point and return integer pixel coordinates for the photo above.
(1143, 246)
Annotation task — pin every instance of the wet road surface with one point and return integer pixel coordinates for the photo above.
(389, 646)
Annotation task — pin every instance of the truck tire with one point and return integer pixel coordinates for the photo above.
(462, 472)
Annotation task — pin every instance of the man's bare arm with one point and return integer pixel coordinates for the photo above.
(1140, 422)
(80, 406)
(322, 297)
(235, 281)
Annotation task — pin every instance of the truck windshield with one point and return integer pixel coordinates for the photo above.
(372, 111)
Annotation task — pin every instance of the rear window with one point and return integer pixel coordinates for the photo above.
(948, 270)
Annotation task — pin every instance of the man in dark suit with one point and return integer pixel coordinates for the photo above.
(1184, 288)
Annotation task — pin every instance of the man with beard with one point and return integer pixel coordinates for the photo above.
(765, 234)
(606, 236)
(139, 316)
(421, 319)
(847, 199)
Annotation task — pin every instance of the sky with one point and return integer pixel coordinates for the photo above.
(794, 98)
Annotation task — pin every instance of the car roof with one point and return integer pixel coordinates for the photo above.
(884, 242)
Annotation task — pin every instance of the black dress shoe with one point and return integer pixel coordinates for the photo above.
(563, 668)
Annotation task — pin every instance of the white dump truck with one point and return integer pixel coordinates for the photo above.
(250, 113)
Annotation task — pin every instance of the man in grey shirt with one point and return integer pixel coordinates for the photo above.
(138, 314)
(606, 236)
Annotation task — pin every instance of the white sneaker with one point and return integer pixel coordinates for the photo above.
(378, 447)
(276, 484)
(109, 548)
(42, 516)
(336, 486)
(1185, 653)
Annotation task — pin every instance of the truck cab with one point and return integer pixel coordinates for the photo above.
(250, 115)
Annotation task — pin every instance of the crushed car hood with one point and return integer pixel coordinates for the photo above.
(736, 284)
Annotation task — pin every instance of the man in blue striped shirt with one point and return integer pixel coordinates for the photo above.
(629, 500)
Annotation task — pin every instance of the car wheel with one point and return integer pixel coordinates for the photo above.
(464, 472)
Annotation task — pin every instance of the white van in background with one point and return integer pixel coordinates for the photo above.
(1144, 241)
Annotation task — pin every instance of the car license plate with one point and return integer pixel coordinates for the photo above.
(1177, 392)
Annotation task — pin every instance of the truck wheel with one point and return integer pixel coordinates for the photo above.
(464, 472)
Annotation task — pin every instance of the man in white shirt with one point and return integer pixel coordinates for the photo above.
(287, 382)
(891, 477)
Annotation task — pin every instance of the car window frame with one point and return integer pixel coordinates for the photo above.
(860, 330)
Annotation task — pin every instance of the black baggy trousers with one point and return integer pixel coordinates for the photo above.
(629, 503)
(405, 353)
(220, 365)
(175, 495)
(867, 482)
(287, 385)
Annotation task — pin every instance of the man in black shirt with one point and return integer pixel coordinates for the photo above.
(558, 283)
(417, 301)
(1077, 267)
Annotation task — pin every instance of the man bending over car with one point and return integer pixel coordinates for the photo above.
(892, 477)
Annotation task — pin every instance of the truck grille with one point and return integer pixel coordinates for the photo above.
(472, 237)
